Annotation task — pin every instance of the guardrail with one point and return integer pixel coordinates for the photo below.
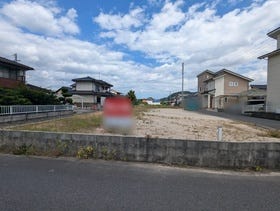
(23, 109)
(253, 108)
(261, 108)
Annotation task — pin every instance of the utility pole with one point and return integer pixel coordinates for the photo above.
(182, 83)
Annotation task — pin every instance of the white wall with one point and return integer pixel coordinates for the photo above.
(84, 98)
(85, 86)
(102, 100)
(273, 83)
(204, 100)
(219, 86)
(59, 94)
(278, 41)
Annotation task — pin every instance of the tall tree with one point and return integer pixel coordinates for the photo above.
(131, 95)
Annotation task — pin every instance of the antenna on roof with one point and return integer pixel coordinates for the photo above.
(15, 55)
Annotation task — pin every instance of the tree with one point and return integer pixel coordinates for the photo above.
(65, 92)
(69, 100)
(37, 97)
(66, 96)
(131, 95)
(26, 96)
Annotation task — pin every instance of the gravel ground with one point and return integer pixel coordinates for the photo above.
(182, 124)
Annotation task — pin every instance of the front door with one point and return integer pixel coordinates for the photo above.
(98, 100)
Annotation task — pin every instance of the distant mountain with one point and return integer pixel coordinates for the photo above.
(176, 95)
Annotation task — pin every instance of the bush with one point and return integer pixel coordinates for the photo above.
(86, 152)
(24, 150)
(25, 96)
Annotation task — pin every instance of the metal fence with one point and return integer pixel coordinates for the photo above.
(22, 109)
(253, 108)
(260, 108)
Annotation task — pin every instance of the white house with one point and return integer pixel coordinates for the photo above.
(273, 75)
(89, 92)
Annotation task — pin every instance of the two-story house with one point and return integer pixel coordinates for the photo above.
(12, 73)
(273, 75)
(220, 90)
(88, 91)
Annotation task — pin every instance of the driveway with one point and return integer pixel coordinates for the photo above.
(266, 123)
(28, 183)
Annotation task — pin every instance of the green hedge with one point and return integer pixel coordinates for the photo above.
(26, 96)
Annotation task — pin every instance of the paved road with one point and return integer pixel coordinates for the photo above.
(70, 184)
(267, 123)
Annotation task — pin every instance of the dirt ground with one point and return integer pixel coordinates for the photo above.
(161, 123)
(182, 124)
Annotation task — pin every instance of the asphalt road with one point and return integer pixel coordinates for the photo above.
(68, 184)
(266, 123)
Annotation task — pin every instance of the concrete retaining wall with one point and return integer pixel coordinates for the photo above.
(211, 154)
(265, 115)
(31, 116)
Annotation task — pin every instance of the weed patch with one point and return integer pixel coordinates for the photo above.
(77, 123)
(24, 149)
(273, 133)
(87, 152)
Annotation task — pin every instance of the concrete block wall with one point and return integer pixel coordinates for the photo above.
(211, 154)
(30, 116)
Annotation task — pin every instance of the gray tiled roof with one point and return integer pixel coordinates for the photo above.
(88, 78)
(14, 64)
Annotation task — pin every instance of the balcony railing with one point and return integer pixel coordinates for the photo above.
(23, 109)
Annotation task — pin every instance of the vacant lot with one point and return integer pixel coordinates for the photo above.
(178, 123)
(163, 123)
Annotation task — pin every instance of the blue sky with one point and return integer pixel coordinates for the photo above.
(137, 45)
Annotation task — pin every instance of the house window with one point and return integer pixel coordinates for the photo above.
(4, 73)
(231, 83)
(200, 89)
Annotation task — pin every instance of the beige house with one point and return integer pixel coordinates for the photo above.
(90, 92)
(221, 90)
(273, 75)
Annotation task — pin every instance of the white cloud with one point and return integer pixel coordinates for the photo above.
(57, 60)
(39, 18)
(108, 21)
(169, 16)
(203, 38)
(198, 35)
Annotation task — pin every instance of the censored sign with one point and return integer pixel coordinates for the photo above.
(117, 113)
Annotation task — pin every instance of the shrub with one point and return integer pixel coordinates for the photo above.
(274, 133)
(24, 150)
(86, 152)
